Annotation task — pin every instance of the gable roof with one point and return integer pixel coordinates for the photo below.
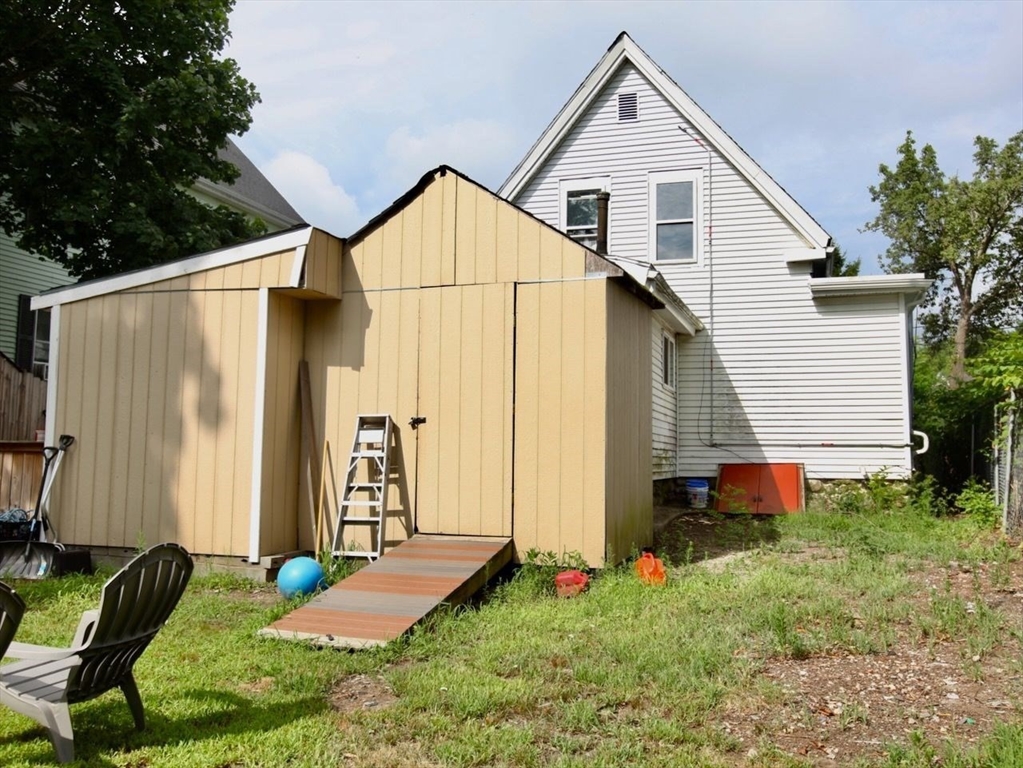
(624, 49)
(251, 191)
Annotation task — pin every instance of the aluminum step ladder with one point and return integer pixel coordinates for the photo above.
(363, 499)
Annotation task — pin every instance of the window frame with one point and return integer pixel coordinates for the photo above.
(668, 352)
(656, 178)
(29, 341)
(565, 186)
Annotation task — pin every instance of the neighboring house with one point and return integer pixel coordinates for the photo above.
(24, 335)
(792, 365)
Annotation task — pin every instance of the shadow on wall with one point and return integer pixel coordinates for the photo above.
(350, 374)
(144, 394)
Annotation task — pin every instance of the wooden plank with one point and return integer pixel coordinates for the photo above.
(391, 595)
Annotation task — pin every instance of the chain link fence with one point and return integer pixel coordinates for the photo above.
(1007, 466)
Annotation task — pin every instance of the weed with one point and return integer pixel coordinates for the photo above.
(978, 502)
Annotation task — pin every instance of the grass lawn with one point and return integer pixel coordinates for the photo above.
(841, 638)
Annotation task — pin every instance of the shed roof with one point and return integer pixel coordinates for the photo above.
(289, 239)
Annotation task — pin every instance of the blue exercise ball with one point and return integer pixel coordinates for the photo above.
(300, 576)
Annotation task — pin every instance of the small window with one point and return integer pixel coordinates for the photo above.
(579, 209)
(32, 352)
(628, 107)
(674, 216)
(668, 361)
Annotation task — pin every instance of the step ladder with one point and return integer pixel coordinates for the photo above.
(363, 499)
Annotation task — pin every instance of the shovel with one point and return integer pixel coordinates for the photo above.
(34, 559)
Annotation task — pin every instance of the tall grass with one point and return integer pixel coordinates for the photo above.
(625, 674)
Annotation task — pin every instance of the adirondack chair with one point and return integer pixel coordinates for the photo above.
(136, 602)
(12, 608)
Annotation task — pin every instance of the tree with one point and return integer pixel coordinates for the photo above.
(968, 235)
(842, 268)
(109, 112)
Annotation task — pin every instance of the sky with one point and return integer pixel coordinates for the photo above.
(359, 99)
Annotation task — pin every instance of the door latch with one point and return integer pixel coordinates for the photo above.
(415, 421)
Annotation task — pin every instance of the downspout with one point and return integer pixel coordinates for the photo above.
(258, 417)
(710, 272)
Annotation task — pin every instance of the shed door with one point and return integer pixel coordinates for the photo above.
(464, 462)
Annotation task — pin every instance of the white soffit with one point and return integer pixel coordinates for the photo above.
(625, 49)
(251, 249)
(869, 285)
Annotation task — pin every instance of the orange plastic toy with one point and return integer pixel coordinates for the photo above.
(650, 569)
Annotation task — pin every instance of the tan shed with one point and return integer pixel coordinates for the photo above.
(527, 355)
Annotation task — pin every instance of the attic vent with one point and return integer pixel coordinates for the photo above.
(628, 106)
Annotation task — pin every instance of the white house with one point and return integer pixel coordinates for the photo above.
(791, 365)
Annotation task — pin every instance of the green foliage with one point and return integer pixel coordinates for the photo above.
(109, 112)
(840, 267)
(977, 501)
(967, 234)
(999, 368)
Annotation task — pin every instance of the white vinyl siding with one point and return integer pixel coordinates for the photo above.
(820, 383)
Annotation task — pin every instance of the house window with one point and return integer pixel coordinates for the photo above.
(32, 352)
(668, 361)
(628, 107)
(579, 208)
(675, 216)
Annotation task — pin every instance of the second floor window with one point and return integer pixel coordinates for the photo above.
(579, 209)
(674, 216)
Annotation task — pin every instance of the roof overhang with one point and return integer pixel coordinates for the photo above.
(913, 286)
(222, 257)
(625, 49)
(232, 199)
(674, 313)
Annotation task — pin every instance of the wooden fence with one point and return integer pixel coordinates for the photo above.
(22, 402)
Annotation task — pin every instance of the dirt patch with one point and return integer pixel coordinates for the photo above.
(262, 685)
(685, 536)
(836, 710)
(357, 693)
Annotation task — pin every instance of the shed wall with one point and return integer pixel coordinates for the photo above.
(279, 522)
(560, 417)
(158, 389)
(628, 476)
(270, 271)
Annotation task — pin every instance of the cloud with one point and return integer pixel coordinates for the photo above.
(478, 148)
(307, 185)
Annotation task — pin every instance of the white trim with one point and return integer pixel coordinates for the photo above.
(625, 49)
(904, 352)
(258, 413)
(264, 246)
(52, 371)
(668, 339)
(656, 178)
(600, 183)
(804, 254)
(297, 266)
(870, 285)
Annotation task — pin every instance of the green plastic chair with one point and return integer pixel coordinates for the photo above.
(136, 602)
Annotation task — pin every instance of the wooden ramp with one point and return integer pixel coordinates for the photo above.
(389, 596)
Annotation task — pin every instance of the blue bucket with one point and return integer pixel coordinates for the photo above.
(697, 492)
